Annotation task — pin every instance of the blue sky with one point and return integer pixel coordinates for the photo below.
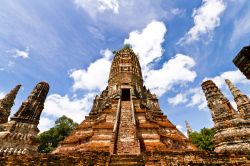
(68, 44)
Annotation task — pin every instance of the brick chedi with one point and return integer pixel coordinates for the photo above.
(242, 61)
(232, 130)
(188, 128)
(6, 103)
(126, 118)
(18, 136)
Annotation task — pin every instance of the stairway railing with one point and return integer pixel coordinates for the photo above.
(117, 115)
(132, 110)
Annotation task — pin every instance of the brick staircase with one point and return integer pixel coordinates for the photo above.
(127, 142)
(126, 160)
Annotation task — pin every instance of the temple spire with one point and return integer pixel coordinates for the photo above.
(125, 70)
(242, 101)
(235, 91)
(32, 107)
(6, 103)
(188, 128)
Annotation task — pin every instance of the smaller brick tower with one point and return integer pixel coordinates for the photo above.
(242, 100)
(188, 128)
(6, 103)
(18, 136)
(217, 102)
(232, 132)
(32, 107)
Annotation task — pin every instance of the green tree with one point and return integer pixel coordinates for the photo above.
(203, 139)
(49, 139)
(127, 46)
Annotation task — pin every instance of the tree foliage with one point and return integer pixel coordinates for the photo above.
(203, 139)
(49, 139)
(127, 46)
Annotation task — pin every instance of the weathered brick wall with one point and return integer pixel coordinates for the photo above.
(56, 160)
(149, 159)
(196, 158)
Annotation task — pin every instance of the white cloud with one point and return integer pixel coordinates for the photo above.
(45, 124)
(179, 127)
(181, 64)
(22, 53)
(177, 11)
(98, 6)
(197, 98)
(76, 109)
(235, 76)
(2, 94)
(107, 54)
(206, 19)
(147, 43)
(95, 76)
(178, 99)
(108, 5)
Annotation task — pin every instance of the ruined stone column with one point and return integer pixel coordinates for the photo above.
(242, 100)
(19, 134)
(219, 105)
(6, 103)
(32, 107)
(232, 133)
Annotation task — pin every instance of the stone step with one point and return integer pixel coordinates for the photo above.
(127, 164)
(126, 156)
(127, 159)
(123, 160)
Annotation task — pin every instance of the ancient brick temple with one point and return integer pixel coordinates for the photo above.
(127, 127)
(232, 127)
(125, 118)
(18, 136)
(242, 61)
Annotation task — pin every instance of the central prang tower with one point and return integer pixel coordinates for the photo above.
(126, 118)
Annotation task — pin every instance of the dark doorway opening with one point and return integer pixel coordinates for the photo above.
(125, 94)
